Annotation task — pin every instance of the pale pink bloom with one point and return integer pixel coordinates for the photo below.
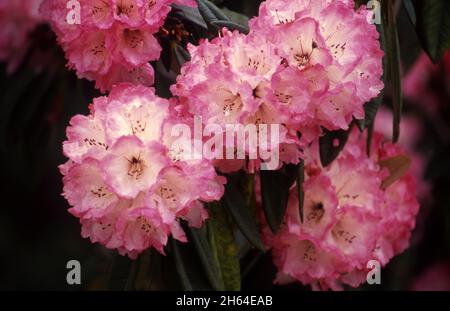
(228, 81)
(278, 12)
(86, 137)
(132, 166)
(142, 75)
(142, 228)
(86, 190)
(136, 47)
(349, 219)
(142, 116)
(122, 181)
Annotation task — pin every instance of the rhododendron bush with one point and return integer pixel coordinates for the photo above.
(229, 145)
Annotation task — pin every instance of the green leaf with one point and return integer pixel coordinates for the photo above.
(299, 184)
(433, 26)
(166, 58)
(331, 144)
(221, 236)
(371, 109)
(409, 7)
(234, 201)
(211, 11)
(200, 240)
(236, 17)
(393, 63)
(189, 14)
(361, 124)
(275, 187)
(214, 17)
(181, 55)
(188, 266)
(180, 267)
(122, 273)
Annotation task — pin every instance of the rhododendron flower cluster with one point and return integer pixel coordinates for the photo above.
(124, 180)
(18, 18)
(111, 41)
(354, 212)
(306, 65)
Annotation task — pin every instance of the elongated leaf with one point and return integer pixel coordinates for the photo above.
(181, 56)
(189, 14)
(131, 280)
(275, 187)
(180, 266)
(166, 59)
(214, 17)
(236, 17)
(371, 109)
(361, 124)
(409, 7)
(331, 144)
(234, 201)
(120, 273)
(393, 74)
(189, 268)
(433, 26)
(215, 10)
(221, 236)
(397, 166)
(143, 278)
(200, 239)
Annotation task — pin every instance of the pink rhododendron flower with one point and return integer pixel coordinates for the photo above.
(350, 217)
(426, 84)
(111, 41)
(306, 65)
(18, 18)
(122, 180)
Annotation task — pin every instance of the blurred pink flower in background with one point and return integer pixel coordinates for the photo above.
(422, 80)
(18, 18)
(435, 277)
